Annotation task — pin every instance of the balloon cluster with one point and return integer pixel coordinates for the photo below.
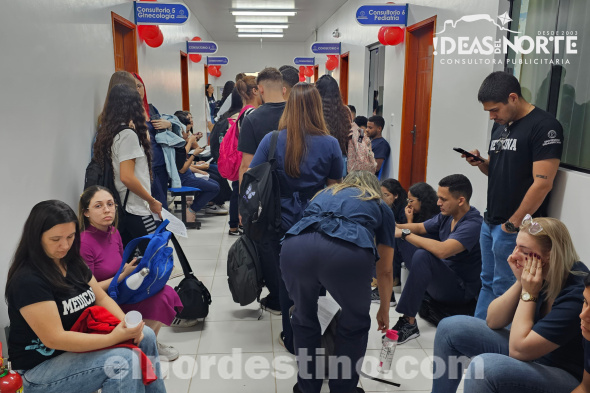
(151, 34)
(332, 62)
(214, 70)
(389, 35)
(305, 72)
(195, 58)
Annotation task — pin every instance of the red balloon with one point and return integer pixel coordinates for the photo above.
(148, 32)
(381, 35)
(301, 69)
(195, 58)
(331, 64)
(301, 78)
(156, 42)
(308, 71)
(218, 73)
(211, 70)
(196, 39)
(394, 35)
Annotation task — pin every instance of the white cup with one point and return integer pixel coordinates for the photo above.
(132, 319)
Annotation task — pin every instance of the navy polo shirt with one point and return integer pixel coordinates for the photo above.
(380, 148)
(562, 325)
(467, 263)
(345, 216)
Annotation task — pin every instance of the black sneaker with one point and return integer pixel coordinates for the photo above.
(405, 330)
(272, 310)
(376, 299)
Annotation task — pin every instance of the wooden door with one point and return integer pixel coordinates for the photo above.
(186, 106)
(417, 97)
(344, 77)
(206, 76)
(316, 72)
(124, 44)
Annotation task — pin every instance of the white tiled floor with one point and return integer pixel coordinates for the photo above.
(205, 364)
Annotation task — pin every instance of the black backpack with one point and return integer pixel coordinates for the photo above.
(244, 273)
(195, 297)
(260, 197)
(219, 130)
(97, 175)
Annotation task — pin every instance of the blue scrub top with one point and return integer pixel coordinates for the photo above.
(345, 216)
(381, 148)
(323, 161)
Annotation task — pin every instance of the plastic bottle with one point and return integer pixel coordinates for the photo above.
(403, 275)
(389, 344)
(135, 280)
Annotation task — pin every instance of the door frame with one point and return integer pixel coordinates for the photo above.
(184, 85)
(408, 107)
(344, 58)
(118, 19)
(316, 72)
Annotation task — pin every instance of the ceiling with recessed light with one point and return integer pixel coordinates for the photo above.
(275, 20)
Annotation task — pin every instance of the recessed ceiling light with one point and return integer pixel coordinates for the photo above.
(265, 13)
(260, 30)
(268, 26)
(261, 35)
(262, 19)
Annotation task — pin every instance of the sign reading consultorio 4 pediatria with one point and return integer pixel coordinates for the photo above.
(383, 15)
(304, 61)
(156, 13)
(481, 50)
(217, 60)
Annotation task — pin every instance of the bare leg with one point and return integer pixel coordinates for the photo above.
(154, 325)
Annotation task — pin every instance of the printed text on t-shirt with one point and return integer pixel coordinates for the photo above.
(78, 302)
(507, 144)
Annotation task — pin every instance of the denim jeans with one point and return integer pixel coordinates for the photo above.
(113, 370)
(496, 275)
(491, 369)
(209, 189)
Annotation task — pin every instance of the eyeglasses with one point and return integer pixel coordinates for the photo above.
(100, 206)
(534, 227)
(411, 200)
(499, 145)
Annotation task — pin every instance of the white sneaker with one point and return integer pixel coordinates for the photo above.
(167, 352)
(184, 323)
(165, 369)
(215, 209)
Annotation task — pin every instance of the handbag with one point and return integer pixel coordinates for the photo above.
(360, 154)
(195, 297)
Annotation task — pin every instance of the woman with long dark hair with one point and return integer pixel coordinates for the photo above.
(210, 106)
(345, 229)
(422, 203)
(48, 288)
(337, 115)
(102, 249)
(123, 138)
(308, 159)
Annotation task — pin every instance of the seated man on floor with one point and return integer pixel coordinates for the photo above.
(448, 266)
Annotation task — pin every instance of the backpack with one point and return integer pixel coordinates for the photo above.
(217, 133)
(244, 272)
(97, 175)
(195, 297)
(230, 158)
(157, 258)
(260, 197)
(360, 154)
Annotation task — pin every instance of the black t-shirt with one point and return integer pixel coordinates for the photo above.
(537, 136)
(257, 124)
(562, 325)
(27, 287)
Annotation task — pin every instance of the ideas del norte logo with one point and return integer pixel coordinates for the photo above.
(464, 50)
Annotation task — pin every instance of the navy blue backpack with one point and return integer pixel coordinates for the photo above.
(157, 258)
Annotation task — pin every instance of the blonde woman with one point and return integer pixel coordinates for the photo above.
(344, 230)
(541, 350)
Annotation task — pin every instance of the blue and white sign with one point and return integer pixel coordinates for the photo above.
(383, 15)
(152, 13)
(326, 48)
(304, 61)
(217, 60)
(204, 47)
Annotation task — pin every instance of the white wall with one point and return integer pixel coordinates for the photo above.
(57, 58)
(254, 57)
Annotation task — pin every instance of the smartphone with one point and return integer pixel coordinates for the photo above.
(467, 154)
(155, 116)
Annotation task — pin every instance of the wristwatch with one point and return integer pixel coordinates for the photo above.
(510, 227)
(405, 233)
(527, 297)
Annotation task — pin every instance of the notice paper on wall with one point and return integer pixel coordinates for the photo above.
(327, 308)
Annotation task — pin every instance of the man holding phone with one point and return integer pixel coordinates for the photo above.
(523, 158)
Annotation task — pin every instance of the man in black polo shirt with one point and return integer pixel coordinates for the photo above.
(379, 145)
(523, 158)
(254, 127)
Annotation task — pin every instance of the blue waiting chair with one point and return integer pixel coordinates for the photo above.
(182, 192)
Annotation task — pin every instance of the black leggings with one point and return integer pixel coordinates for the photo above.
(132, 227)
